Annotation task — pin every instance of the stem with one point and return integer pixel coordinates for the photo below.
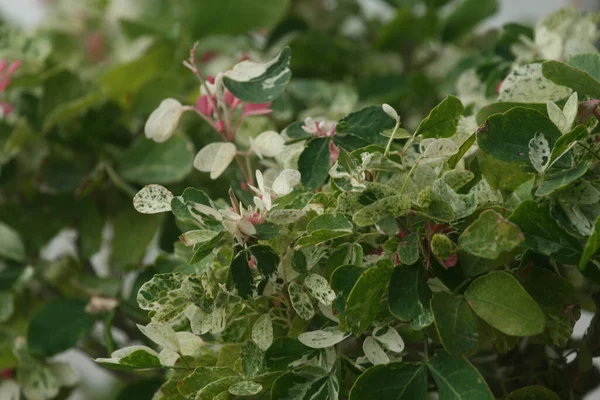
(589, 150)
(118, 182)
(425, 347)
(108, 337)
(408, 176)
(389, 144)
(198, 74)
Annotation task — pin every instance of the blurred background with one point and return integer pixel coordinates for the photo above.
(96, 382)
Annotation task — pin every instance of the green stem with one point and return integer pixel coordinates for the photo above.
(108, 337)
(118, 181)
(408, 176)
(389, 143)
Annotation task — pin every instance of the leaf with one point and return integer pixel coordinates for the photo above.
(11, 246)
(543, 235)
(161, 334)
(287, 353)
(198, 236)
(253, 359)
(527, 84)
(262, 332)
(318, 287)
(522, 193)
(132, 357)
(321, 339)
(267, 260)
(365, 298)
(300, 301)
(320, 236)
(562, 179)
(343, 280)
(362, 128)
(579, 74)
(457, 379)
(516, 314)
(466, 17)
(215, 158)
(153, 199)
(330, 222)
(180, 205)
(163, 297)
(313, 163)
(201, 377)
(260, 83)
(39, 382)
(374, 352)
(206, 248)
(566, 142)
(539, 152)
(58, 326)
(506, 136)
(490, 236)
(307, 382)
(395, 206)
(592, 246)
(133, 232)
(245, 388)
(534, 392)
(456, 324)
(408, 249)
(242, 275)
(442, 121)
(395, 381)
(409, 295)
(148, 162)
(441, 148)
(389, 338)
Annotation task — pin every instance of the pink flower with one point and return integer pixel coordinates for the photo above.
(204, 105)
(451, 261)
(5, 76)
(256, 109)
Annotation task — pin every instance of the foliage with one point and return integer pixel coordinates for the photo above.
(313, 242)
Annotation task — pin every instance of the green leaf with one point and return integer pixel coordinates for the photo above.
(206, 248)
(580, 73)
(457, 379)
(201, 377)
(394, 206)
(467, 16)
(566, 141)
(307, 382)
(408, 249)
(266, 231)
(148, 162)
(490, 236)
(242, 275)
(343, 280)
(534, 392)
(588, 269)
(133, 234)
(365, 298)
(58, 326)
(363, 128)
(313, 163)
(132, 358)
(562, 179)
(442, 121)
(286, 352)
(506, 136)
(396, 381)
(7, 305)
(180, 204)
(409, 295)
(320, 236)
(498, 108)
(500, 300)
(246, 84)
(11, 246)
(543, 235)
(456, 324)
(329, 221)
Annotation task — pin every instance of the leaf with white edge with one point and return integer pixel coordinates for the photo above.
(286, 353)
(514, 315)
(562, 179)
(442, 121)
(262, 332)
(490, 236)
(161, 334)
(11, 245)
(527, 84)
(324, 338)
(374, 352)
(313, 163)
(539, 152)
(153, 199)
(133, 357)
(215, 158)
(395, 381)
(267, 144)
(365, 297)
(389, 338)
(192, 238)
(245, 388)
(362, 128)
(409, 295)
(162, 297)
(300, 301)
(200, 378)
(306, 382)
(575, 74)
(587, 268)
(566, 142)
(441, 148)
(463, 205)
(286, 181)
(318, 287)
(260, 83)
(214, 389)
(457, 379)
(408, 249)
(395, 206)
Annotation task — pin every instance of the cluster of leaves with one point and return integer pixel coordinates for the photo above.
(367, 255)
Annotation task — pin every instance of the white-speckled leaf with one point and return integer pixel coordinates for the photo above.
(191, 238)
(539, 152)
(374, 352)
(284, 217)
(581, 192)
(389, 338)
(441, 148)
(323, 338)
(527, 84)
(301, 301)
(153, 199)
(262, 332)
(318, 287)
(245, 388)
